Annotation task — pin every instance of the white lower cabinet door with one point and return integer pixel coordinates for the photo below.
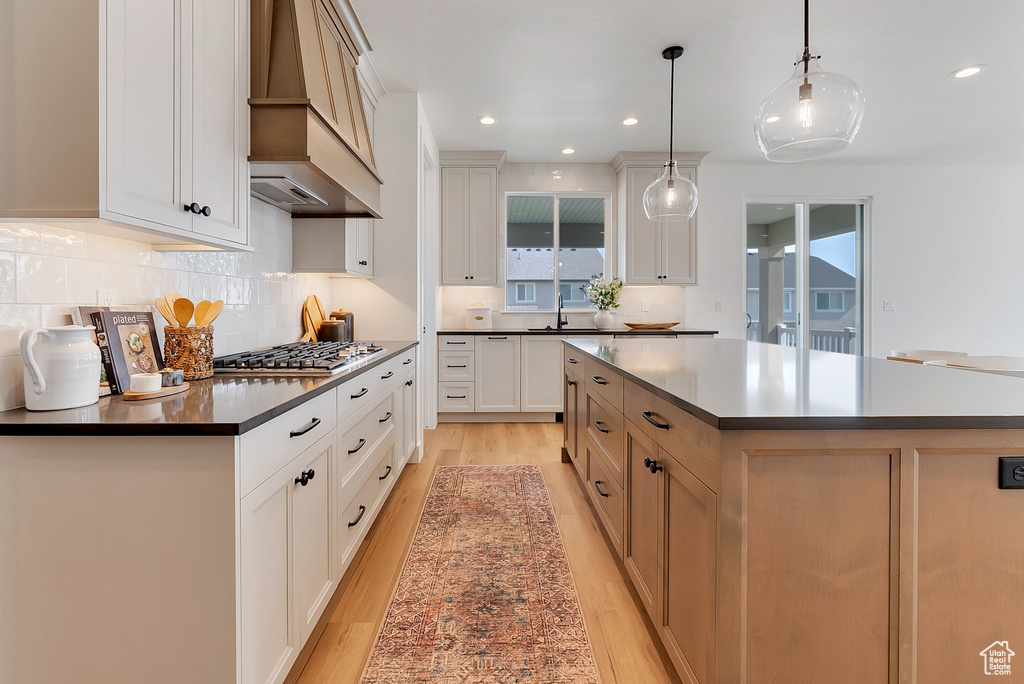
(312, 538)
(269, 632)
(542, 373)
(497, 373)
(410, 421)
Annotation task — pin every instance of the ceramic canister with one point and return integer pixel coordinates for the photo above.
(62, 368)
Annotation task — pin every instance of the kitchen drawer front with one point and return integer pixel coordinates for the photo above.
(607, 494)
(266, 449)
(387, 373)
(605, 427)
(360, 436)
(356, 513)
(691, 441)
(573, 359)
(358, 392)
(455, 366)
(606, 382)
(465, 343)
(455, 397)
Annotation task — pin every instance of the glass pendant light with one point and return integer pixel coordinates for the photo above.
(672, 197)
(814, 114)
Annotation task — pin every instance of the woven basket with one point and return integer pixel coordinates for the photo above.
(189, 350)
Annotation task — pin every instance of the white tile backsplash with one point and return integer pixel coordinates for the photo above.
(44, 270)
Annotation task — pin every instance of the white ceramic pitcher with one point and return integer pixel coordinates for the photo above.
(62, 369)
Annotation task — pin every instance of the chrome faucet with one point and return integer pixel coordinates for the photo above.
(561, 321)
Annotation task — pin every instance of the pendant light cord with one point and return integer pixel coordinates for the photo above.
(672, 109)
(807, 39)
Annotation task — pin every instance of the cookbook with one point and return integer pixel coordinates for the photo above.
(128, 344)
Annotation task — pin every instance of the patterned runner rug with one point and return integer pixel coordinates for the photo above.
(485, 594)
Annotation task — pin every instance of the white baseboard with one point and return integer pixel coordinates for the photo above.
(495, 417)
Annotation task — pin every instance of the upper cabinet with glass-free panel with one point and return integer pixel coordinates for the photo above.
(469, 217)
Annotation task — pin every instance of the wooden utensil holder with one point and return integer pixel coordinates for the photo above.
(189, 350)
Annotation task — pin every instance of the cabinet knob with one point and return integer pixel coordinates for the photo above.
(194, 208)
(467, 277)
(206, 211)
(652, 466)
(408, 383)
(470, 277)
(306, 476)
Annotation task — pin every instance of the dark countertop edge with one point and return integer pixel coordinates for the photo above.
(805, 423)
(627, 331)
(184, 429)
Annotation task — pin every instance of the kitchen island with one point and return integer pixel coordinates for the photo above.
(199, 537)
(800, 516)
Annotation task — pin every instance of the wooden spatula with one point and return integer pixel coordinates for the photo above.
(161, 306)
(183, 309)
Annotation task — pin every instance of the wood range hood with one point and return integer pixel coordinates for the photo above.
(310, 149)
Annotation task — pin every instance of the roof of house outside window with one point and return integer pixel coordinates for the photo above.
(823, 275)
(580, 264)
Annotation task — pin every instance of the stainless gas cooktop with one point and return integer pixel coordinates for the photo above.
(300, 358)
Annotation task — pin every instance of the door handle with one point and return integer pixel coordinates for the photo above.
(462, 366)
(385, 475)
(597, 486)
(385, 418)
(598, 424)
(497, 338)
(598, 379)
(362, 509)
(572, 361)
(362, 443)
(460, 396)
(385, 377)
(649, 419)
(356, 396)
(407, 362)
(305, 428)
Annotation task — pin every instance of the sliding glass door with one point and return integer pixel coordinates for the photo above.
(805, 274)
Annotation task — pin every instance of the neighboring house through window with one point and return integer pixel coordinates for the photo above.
(828, 301)
(526, 293)
(787, 302)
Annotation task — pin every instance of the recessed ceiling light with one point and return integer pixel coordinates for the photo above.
(772, 119)
(968, 71)
(487, 120)
(630, 121)
(568, 150)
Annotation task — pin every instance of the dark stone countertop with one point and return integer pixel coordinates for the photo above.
(731, 384)
(226, 404)
(579, 331)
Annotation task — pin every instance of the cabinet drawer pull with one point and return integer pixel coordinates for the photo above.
(362, 443)
(600, 426)
(497, 338)
(385, 418)
(447, 342)
(408, 383)
(462, 366)
(649, 419)
(456, 396)
(598, 379)
(572, 361)
(362, 509)
(407, 362)
(356, 396)
(385, 377)
(305, 428)
(652, 466)
(385, 475)
(597, 486)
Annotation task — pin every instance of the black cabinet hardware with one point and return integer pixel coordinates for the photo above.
(356, 396)
(649, 419)
(597, 486)
(305, 428)
(572, 361)
(194, 207)
(652, 466)
(463, 342)
(306, 476)
(571, 383)
(408, 383)
(362, 443)
(407, 362)
(600, 426)
(459, 396)
(385, 377)
(385, 418)
(362, 509)
(497, 338)
(470, 277)
(598, 379)
(467, 277)
(206, 211)
(364, 263)
(385, 475)
(462, 366)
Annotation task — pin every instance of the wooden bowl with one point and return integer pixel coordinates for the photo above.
(652, 326)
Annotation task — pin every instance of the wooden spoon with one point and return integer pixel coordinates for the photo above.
(161, 306)
(183, 309)
(170, 298)
(213, 312)
(201, 309)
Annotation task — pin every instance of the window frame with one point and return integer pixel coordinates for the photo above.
(609, 242)
(830, 309)
(788, 294)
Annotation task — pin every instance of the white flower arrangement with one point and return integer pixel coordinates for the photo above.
(602, 293)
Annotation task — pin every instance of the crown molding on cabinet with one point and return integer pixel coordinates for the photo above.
(624, 159)
(471, 158)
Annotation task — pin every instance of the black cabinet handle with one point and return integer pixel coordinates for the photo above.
(362, 443)
(311, 473)
(598, 425)
(598, 379)
(649, 419)
(463, 342)
(470, 277)
(460, 396)
(385, 377)
(497, 338)
(572, 361)
(407, 362)
(408, 383)
(571, 383)
(467, 277)
(356, 396)
(362, 509)
(304, 480)
(385, 475)
(597, 486)
(364, 263)
(385, 418)
(206, 211)
(305, 428)
(652, 466)
(194, 208)
(451, 366)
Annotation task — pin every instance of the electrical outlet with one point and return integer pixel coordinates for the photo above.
(718, 305)
(645, 305)
(888, 305)
(105, 297)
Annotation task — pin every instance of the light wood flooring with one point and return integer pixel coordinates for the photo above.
(619, 633)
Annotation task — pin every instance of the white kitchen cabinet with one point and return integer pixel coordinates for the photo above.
(167, 125)
(311, 512)
(541, 373)
(497, 373)
(359, 246)
(455, 366)
(410, 420)
(469, 225)
(332, 246)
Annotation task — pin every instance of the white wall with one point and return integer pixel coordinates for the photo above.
(44, 270)
(946, 245)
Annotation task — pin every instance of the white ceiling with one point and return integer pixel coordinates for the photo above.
(564, 73)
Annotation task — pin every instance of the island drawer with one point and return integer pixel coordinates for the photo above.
(606, 382)
(455, 366)
(605, 427)
(268, 448)
(691, 441)
(456, 343)
(455, 397)
(573, 358)
(359, 436)
(606, 493)
(355, 513)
